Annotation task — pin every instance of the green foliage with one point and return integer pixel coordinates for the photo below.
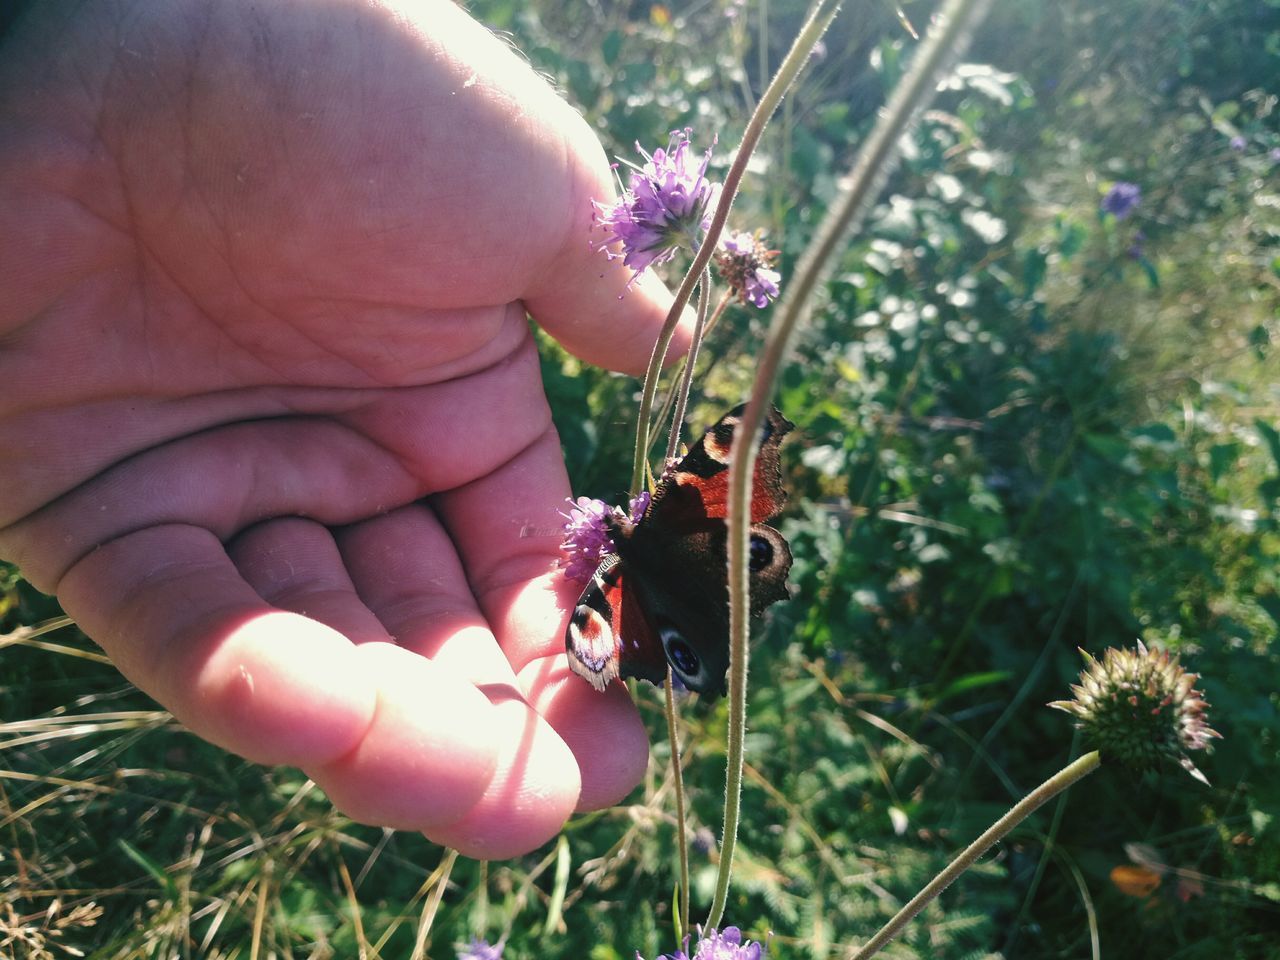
(1023, 427)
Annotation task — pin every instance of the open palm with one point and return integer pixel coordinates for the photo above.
(273, 428)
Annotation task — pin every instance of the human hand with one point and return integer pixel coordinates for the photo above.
(263, 279)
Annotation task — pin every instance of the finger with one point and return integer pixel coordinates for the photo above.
(508, 530)
(604, 730)
(294, 565)
(413, 771)
(406, 569)
(222, 479)
(595, 306)
(173, 613)
(515, 815)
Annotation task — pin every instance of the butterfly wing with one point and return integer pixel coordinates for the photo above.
(610, 633)
(663, 597)
(677, 554)
(696, 488)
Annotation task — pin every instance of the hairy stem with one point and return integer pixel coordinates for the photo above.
(686, 382)
(795, 60)
(823, 13)
(677, 779)
(872, 167)
(1059, 782)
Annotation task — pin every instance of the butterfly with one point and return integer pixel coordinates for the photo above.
(662, 597)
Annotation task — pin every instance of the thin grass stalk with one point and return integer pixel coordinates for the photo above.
(824, 12)
(669, 402)
(432, 906)
(677, 783)
(686, 382)
(1042, 863)
(1059, 782)
(868, 174)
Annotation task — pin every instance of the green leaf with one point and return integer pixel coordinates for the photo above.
(611, 46)
(158, 873)
(1272, 438)
(974, 681)
(555, 906)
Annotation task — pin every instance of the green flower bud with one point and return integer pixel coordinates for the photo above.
(1139, 707)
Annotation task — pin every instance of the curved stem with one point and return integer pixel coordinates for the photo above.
(677, 778)
(795, 60)
(869, 172)
(686, 382)
(823, 13)
(993, 835)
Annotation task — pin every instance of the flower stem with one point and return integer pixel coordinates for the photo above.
(823, 13)
(686, 382)
(863, 183)
(677, 779)
(1059, 782)
(795, 60)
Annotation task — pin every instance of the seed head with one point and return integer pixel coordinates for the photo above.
(745, 263)
(1140, 706)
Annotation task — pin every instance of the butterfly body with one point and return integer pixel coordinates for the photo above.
(662, 597)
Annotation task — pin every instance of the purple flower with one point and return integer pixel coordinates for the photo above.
(746, 265)
(1237, 143)
(588, 532)
(638, 505)
(718, 946)
(1138, 247)
(480, 950)
(1122, 199)
(665, 206)
(1274, 154)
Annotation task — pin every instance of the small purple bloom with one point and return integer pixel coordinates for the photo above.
(638, 505)
(1274, 154)
(1237, 143)
(746, 265)
(665, 206)
(1138, 247)
(1122, 199)
(480, 950)
(588, 532)
(587, 538)
(718, 946)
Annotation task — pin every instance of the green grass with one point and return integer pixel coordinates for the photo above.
(1012, 442)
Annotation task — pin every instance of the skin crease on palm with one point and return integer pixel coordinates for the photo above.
(272, 426)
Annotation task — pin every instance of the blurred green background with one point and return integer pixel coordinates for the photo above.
(1024, 427)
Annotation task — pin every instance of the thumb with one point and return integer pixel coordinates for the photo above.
(595, 306)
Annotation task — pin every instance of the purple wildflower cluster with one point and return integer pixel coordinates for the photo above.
(480, 950)
(746, 265)
(587, 532)
(665, 206)
(1122, 199)
(726, 945)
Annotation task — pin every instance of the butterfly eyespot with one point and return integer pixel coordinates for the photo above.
(680, 654)
(761, 554)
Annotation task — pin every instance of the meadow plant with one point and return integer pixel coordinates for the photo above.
(1137, 706)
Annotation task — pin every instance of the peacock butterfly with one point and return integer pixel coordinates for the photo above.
(662, 597)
